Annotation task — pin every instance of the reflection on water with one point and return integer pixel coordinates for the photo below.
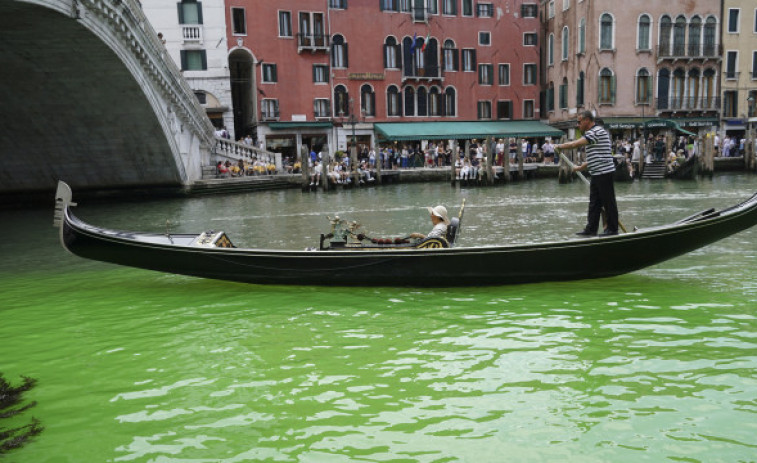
(139, 366)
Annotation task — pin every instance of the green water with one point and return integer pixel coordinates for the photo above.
(139, 366)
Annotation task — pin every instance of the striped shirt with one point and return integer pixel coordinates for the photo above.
(598, 151)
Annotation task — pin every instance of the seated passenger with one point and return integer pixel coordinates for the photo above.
(440, 221)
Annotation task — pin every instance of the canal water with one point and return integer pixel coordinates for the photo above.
(137, 366)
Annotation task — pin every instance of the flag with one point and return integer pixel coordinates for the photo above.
(412, 45)
(425, 42)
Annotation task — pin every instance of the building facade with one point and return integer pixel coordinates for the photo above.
(317, 72)
(739, 76)
(194, 34)
(636, 64)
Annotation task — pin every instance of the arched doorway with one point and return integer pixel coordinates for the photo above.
(242, 93)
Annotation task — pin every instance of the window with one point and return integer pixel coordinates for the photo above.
(485, 74)
(270, 109)
(484, 10)
(193, 60)
(606, 87)
(529, 38)
(338, 52)
(709, 37)
(390, 5)
(467, 7)
(449, 7)
(341, 101)
(695, 36)
(755, 21)
(338, 4)
(504, 74)
(484, 38)
(391, 53)
(393, 106)
(484, 109)
(320, 73)
(409, 101)
(405, 6)
(285, 24)
(643, 41)
(550, 97)
(504, 109)
(422, 96)
(528, 109)
(529, 10)
(312, 30)
(731, 62)
(643, 87)
(434, 102)
(580, 89)
(551, 49)
(605, 32)
(730, 103)
(754, 65)
(679, 37)
(733, 20)
(449, 102)
(367, 100)
(708, 88)
(666, 26)
(551, 9)
(202, 97)
(582, 36)
(190, 12)
(469, 60)
(565, 5)
(433, 6)
(321, 107)
(238, 22)
(564, 94)
(529, 74)
(269, 73)
(450, 57)
(565, 43)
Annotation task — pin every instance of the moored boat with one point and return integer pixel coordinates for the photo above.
(213, 255)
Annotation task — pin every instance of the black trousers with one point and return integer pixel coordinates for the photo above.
(602, 195)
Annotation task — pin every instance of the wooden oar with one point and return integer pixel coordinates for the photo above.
(581, 176)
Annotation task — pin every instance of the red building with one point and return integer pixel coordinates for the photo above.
(314, 72)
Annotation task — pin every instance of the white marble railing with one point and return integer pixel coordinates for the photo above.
(234, 151)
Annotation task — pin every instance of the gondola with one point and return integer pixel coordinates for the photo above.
(212, 254)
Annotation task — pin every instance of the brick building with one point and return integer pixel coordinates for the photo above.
(312, 72)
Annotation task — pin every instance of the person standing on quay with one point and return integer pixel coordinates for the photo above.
(600, 163)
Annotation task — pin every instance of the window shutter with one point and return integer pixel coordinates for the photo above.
(199, 12)
(386, 61)
(204, 57)
(372, 99)
(473, 57)
(181, 13)
(381, 5)
(612, 89)
(346, 55)
(314, 74)
(456, 60)
(443, 104)
(183, 54)
(649, 89)
(275, 73)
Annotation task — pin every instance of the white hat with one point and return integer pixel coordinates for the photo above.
(439, 211)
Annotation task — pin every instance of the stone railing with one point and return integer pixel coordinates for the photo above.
(234, 151)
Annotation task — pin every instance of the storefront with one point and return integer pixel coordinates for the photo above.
(291, 138)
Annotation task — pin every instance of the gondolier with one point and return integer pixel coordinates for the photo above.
(600, 164)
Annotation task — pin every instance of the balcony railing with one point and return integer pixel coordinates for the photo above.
(312, 42)
(731, 75)
(269, 115)
(192, 33)
(688, 104)
(425, 73)
(691, 50)
(322, 113)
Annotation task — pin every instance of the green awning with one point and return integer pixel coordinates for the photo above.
(299, 125)
(464, 130)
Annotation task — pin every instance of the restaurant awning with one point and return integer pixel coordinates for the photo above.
(463, 130)
(620, 123)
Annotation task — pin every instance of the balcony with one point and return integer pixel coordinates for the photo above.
(312, 42)
(269, 115)
(192, 33)
(426, 73)
(688, 51)
(688, 104)
(324, 113)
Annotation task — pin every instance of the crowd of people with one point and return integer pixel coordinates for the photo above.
(243, 168)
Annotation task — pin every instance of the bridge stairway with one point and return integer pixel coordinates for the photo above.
(209, 172)
(654, 170)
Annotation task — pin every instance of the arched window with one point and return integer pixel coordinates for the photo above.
(710, 26)
(565, 42)
(564, 93)
(367, 100)
(391, 53)
(341, 101)
(450, 56)
(407, 56)
(643, 87)
(449, 102)
(708, 89)
(606, 86)
(692, 89)
(582, 36)
(551, 97)
(663, 89)
(679, 37)
(679, 80)
(338, 52)
(580, 89)
(409, 101)
(393, 103)
(434, 102)
(695, 36)
(431, 58)
(551, 49)
(643, 41)
(606, 25)
(666, 27)
(422, 101)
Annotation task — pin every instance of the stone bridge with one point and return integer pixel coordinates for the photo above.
(90, 96)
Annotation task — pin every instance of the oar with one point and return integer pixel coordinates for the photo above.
(581, 176)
